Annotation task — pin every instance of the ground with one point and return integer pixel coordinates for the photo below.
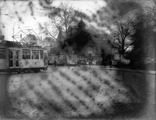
(82, 92)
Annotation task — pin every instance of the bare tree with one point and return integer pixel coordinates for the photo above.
(64, 18)
(44, 29)
(121, 39)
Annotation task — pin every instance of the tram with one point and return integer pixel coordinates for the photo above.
(16, 57)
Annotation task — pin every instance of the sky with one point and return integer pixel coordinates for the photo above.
(10, 23)
(12, 10)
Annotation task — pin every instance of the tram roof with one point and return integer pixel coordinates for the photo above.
(6, 43)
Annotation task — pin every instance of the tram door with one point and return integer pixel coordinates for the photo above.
(14, 58)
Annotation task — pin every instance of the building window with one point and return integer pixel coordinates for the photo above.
(41, 54)
(35, 54)
(26, 54)
(2, 53)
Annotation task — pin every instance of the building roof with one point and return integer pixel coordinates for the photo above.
(7, 44)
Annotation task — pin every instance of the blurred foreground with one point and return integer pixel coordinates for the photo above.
(80, 92)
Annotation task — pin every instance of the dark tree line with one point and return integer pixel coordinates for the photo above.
(139, 34)
(144, 37)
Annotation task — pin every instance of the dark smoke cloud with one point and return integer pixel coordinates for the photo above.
(123, 6)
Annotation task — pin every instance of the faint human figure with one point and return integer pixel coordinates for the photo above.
(55, 63)
(28, 56)
(90, 63)
(78, 64)
(110, 63)
(33, 56)
(132, 64)
(10, 54)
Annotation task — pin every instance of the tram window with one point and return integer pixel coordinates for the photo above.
(26, 54)
(35, 54)
(41, 54)
(2, 54)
